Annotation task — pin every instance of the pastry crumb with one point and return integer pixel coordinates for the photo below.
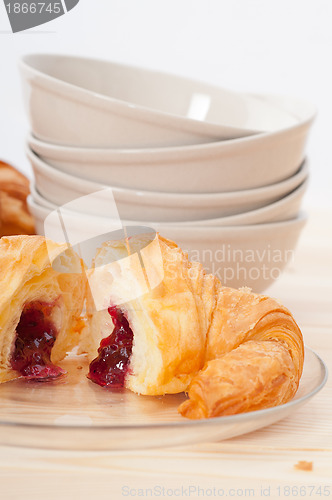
(80, 367)
(303, 465)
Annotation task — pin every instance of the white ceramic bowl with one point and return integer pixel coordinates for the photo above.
(286, 208)
(60, 188)
(88, 102)
(217, 167)
(251, 256)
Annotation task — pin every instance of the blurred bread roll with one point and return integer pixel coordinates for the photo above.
(14, 214)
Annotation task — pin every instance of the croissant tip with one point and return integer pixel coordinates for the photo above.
(191, 409)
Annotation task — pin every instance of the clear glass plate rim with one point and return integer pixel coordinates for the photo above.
(186, 422)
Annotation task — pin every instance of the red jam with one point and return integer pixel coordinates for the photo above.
(112, 363)
(35, 338)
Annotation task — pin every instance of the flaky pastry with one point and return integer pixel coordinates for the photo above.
(14, 214)
(40, 306)
(156, 324)
(160, 324)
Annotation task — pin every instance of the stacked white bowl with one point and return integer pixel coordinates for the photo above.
(219, 172)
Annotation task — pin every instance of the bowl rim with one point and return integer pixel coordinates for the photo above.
(170, 197)
(186, 152)
(207, 231)
(298, 192)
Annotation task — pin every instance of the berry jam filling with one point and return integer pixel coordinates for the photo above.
(112, 363)
(35, 337)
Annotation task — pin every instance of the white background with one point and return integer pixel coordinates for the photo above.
(278, 46)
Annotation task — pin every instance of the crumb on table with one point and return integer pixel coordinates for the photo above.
(303, 465)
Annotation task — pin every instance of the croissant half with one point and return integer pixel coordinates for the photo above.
(160, 324)
(168, 341)
(40, 306)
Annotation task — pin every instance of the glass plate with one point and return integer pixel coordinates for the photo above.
(75, 414)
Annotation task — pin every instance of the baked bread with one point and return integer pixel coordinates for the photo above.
(254, 357)
(160, 324)
(40, 306)
(14, 214)
(164, 355)
(156, 324)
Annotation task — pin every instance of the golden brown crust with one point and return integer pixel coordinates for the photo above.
(27, 275)
(14, 214)
(235, 350)
(255, 375)
(254, 357)
(170, 333)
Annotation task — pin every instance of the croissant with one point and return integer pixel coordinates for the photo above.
(40, 306)
(159, 324)
(254, 357)
(14, 214)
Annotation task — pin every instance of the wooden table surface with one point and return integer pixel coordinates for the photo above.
(257, 465)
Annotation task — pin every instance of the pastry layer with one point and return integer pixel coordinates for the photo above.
(232, 350)
(26, 277)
